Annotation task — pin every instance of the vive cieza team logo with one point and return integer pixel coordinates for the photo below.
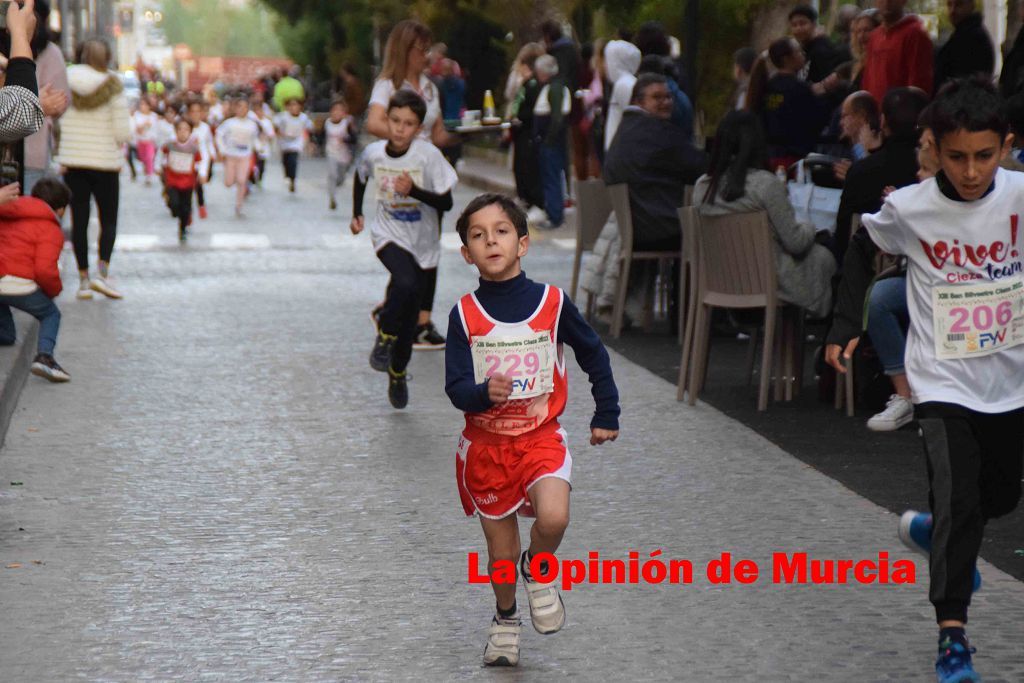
(999, 259)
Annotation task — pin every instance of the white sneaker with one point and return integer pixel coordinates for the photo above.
(546, 609)
(536, 215)
(898, 412)
(502, 647)
(84, 292)
(101, 285)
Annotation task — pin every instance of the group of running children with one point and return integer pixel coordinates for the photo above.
(505, 368)
(181, 146)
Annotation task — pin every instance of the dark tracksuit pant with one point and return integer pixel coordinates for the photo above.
(404, 295)
(974, 473)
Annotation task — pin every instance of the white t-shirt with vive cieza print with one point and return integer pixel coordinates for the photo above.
(965, 291)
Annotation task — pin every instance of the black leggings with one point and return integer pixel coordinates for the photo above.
(86, 183)
(291, 164)
(180, 202)
(404, 297)
(974, 470)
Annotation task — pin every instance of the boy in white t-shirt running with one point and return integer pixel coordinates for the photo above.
(964, 356)
(414, 185)
(292, 128)
(340, 138)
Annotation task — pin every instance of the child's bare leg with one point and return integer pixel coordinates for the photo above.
(550, 500)
(502, 544)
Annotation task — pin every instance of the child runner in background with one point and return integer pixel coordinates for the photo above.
(165, 127)
(513, 456)
(960, 232)
(340, 136)
(203, 135)
(257, 113)
(414, 185)
(292, 128)
(144, 123)
(186, 166)
(237, 138)
(30, 244)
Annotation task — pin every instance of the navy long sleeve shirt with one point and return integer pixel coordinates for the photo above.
(513, 301)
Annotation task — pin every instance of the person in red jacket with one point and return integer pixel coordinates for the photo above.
(30, 244)
(899, 52)
(185, 165)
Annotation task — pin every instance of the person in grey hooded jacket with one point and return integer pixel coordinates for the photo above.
(622, 59)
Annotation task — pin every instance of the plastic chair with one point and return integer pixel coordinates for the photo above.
(844, 382)
(736, 269)
(592, 212)
(619, 195)
(688, 219)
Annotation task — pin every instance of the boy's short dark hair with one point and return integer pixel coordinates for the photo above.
(970, 104)
(803, 11)
(643, 82)
(516, 215)
(52, 191)
(407, 98)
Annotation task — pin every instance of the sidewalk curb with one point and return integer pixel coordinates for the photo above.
(15, 362)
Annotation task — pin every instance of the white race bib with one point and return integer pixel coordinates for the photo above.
(529, 361)
(977, 320)
(386, 177)
(180, 162)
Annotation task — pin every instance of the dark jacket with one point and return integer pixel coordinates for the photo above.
(823, 57)
(567, 55)
(967, 52)
(1011, 80)
(895, 164)
(655, 158)
(793, 117)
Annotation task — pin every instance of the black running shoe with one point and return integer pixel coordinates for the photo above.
(428, 338)
(398, 389)
(43, 365)
(380, 357)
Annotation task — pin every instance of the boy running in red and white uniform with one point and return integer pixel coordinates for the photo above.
(505, 369)
(186, 167)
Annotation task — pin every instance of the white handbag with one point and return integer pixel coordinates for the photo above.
(812, 203)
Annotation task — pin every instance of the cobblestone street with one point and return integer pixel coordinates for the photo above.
(223, 493)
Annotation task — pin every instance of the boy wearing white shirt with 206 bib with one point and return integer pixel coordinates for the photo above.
(965, 350)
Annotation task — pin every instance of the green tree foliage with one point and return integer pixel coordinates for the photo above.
(211, 28)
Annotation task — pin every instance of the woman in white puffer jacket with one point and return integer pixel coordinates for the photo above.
(92, 132)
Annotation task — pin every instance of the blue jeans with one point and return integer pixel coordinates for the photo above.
(888, 320)
(40, 307)
(552, 180)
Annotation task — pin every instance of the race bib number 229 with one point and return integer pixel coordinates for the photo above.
(529, 361)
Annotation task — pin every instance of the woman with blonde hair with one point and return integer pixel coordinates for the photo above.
(92, 131)
(405, 60)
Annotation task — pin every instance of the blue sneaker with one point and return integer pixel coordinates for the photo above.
(916, 533)
(954, 664)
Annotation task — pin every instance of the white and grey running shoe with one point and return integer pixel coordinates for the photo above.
(502, 647)
(102, 285)
(546, 609)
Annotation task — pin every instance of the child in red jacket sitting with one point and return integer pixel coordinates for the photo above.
(30, 244)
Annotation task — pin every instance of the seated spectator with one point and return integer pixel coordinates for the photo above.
(893, 165)
(792, 116)
(621, 60)
(657, 160)
(969, 50)
(822, 56)
(887, 314)
(860, 124)
(739, 182)
(742, 63)
(30, 244)
(550, 133)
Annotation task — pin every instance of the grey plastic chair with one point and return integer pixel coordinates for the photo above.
(623, 216)
(688, 219)
(736, 269)
(593, 209)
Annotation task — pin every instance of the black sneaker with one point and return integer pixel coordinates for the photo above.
(398, 389)
(43, 365)
(291, 185)
(428, 338)
(375, 317)
(380, 356)
(334, 205)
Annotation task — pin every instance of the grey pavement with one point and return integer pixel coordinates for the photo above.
(223, 493)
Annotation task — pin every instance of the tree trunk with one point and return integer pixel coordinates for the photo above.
(770, 22)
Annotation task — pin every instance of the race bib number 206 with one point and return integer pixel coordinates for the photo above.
(529, 361)
(977, 320)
